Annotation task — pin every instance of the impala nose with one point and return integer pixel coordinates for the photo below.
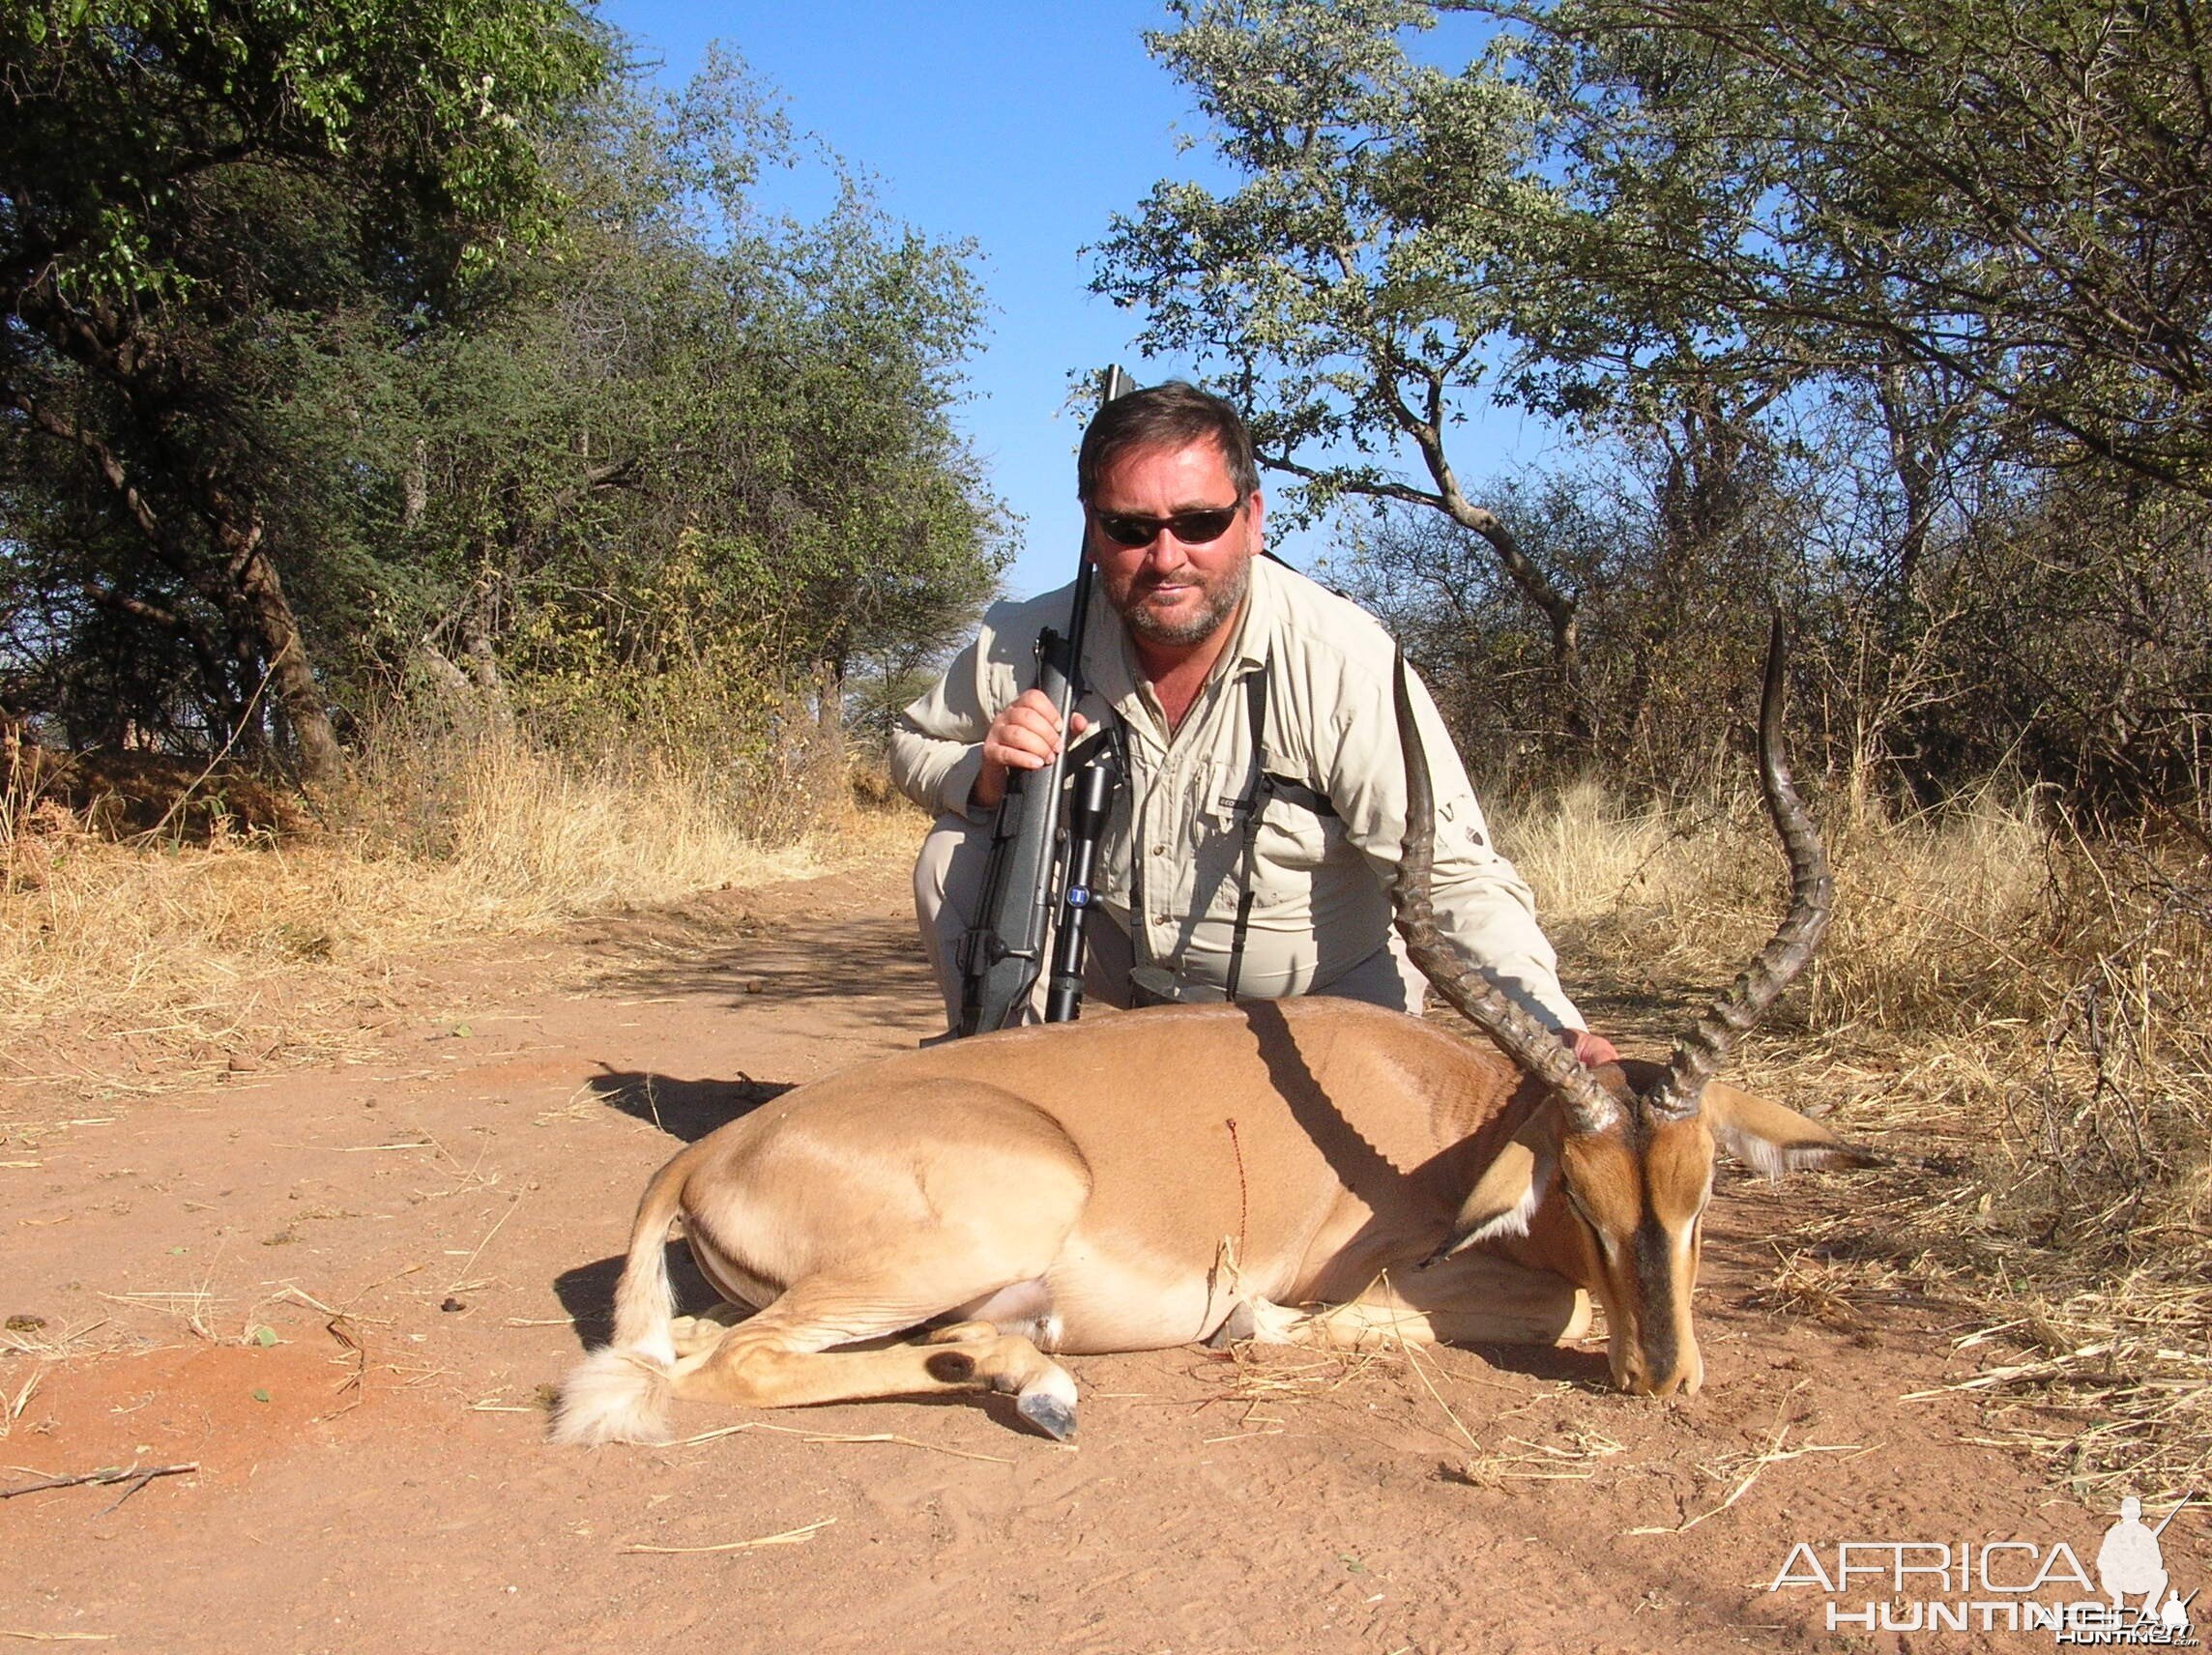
(1660, 1373)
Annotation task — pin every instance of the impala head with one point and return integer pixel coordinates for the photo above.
(1613, 1173)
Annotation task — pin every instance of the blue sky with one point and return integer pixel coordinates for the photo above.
(1024, 128)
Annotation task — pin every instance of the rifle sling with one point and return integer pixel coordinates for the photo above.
(1250, 807)
(1265, 787)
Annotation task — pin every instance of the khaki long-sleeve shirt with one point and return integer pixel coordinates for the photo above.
(1322, 882)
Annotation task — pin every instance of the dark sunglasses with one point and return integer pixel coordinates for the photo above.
(1191, 528)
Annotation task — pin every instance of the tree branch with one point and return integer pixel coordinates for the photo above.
(105, 460)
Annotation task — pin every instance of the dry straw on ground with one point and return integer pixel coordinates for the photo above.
(2014, 1012)
(135, 966)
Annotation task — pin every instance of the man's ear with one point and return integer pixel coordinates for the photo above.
(1506, 1197)
(1773, 1140)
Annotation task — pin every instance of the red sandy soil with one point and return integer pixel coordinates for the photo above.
(429, 1238)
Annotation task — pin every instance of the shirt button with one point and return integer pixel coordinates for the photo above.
(1159, 850)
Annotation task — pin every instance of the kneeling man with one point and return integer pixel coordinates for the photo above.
(1262, 753)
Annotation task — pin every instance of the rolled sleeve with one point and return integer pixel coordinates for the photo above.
(937, 743)
(936, 773)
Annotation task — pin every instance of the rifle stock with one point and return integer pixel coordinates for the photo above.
(1004, 951)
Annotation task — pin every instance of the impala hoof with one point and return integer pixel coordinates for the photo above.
(1049, 1415)
(1242, 1322)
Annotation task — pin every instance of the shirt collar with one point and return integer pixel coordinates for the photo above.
(1263, 602)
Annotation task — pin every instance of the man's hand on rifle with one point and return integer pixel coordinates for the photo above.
(1023, 737)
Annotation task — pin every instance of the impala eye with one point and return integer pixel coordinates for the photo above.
(1583, 1216)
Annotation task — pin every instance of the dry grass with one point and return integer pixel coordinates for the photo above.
(1939, 921)
(2016, 1012)
(2023, 1016)
(135, 966)
(1520, 1459)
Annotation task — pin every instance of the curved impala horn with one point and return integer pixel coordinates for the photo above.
(1589, 1107)
(1812, 896)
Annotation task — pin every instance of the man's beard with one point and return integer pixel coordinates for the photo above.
(1220, 593)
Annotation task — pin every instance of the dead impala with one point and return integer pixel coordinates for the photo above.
(1314, 1170)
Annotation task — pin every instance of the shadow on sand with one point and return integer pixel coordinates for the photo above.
(684, 1109)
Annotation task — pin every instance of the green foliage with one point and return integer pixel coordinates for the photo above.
(494, 359)
(1347, 290)
(1851, 307)
(199, 199)
(127, 112)
(2007, 191)
(134, 118)
(694, 433)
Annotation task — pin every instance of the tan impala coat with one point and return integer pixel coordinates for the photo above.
(1332, 1140)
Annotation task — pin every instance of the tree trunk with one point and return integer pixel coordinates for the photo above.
(1913, 459)
(1534, 581)
(264, 613)
(482, 660)
(1558, 609)
(830, 713)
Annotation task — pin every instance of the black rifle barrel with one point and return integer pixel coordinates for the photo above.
(1003, 950)
(1099, 766)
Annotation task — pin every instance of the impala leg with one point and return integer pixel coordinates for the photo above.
(693, 1334)
(783, 1359)
(1472, 1298)
(961, 1333)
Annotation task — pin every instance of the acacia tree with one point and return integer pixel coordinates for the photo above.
(1934, 267)
(2008, 192)
(195, 196)
(1981, 222)
(1341, 291)
(1398, 232)
(693, 429)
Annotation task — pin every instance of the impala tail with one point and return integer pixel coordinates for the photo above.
(620, 1392)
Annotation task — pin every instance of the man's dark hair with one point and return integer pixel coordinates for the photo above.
(1171, 416)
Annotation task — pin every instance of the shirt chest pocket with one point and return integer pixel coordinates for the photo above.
(1292, 842)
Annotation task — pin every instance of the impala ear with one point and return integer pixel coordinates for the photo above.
(1770, 1139)
(1505, 1199)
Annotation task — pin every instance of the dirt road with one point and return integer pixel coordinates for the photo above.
(340, 1295)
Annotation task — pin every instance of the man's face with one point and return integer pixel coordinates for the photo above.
(1174, 591)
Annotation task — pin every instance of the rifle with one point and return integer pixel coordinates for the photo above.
(1003, 950)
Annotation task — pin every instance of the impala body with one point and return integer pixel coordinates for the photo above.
(1314, 1170)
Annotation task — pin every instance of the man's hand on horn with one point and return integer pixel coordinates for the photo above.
(1594, 1050)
